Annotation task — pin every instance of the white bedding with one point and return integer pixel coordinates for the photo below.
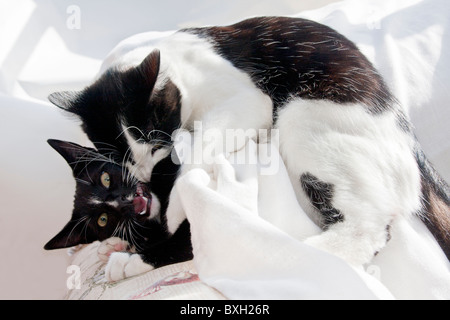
(407, 40)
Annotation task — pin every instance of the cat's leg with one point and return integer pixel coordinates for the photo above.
(355, 227)
(353, 171)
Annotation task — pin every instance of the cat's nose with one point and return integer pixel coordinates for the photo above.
(124, 199)
(120, 200)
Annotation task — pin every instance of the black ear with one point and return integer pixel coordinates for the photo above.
(149, 68)
(72, 153)
(69, 236)
(64, 99)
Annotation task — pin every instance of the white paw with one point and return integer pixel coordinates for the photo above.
(109, 246)
(123, 265)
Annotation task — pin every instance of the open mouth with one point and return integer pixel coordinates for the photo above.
(142, 201)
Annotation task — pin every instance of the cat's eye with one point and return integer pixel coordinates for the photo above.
(102, 220)
(105, 179)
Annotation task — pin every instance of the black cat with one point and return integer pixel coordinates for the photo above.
(109, 202)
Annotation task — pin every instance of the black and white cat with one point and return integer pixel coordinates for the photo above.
(111, 205)
(348, 147)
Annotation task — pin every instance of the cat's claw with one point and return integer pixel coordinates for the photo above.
(110, 245)
(123, 265)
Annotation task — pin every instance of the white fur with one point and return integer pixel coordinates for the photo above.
(367, 158)
(231, 101)
(94, 200)
(175, 213)
(142, 155)
(120, 263)
(155, 208)
(123, 265)
(114, 203)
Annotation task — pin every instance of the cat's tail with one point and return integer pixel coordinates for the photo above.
(436, 202)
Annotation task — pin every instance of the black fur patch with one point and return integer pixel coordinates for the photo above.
(320, 194)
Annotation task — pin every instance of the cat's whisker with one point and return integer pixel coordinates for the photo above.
(83, 181)
(159, 132)
(131, 127)
(116, 230)
(130, 234)
(160, 140)
(85, 228)
(80, 220)
(122, 234)
(133, 240)
(113, 147)
(88, 157)
(95, 154)
(124, 162)
(133, 222)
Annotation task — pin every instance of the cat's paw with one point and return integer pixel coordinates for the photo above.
(110, 245)
(123, 265)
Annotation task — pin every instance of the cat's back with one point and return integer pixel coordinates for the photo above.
(288, 57)
(284, 57)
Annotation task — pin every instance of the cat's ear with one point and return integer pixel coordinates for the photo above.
(69, 236)
(64, 99)
(72, 152)
(149, 68)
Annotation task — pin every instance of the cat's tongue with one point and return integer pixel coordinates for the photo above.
(142, 201)
(140, 205)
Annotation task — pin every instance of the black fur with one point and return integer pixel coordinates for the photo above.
(320, 194)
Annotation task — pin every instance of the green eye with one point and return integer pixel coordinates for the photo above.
(105, 180)
(102, 220)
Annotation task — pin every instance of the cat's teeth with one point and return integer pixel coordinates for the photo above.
(139, 191)
(145, 209)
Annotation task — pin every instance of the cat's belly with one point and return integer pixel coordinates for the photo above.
(367, 159)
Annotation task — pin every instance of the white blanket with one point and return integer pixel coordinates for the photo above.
(247, 229)
(251, 254)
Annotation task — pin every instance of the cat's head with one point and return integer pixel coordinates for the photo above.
(125, 110)
(108, 201)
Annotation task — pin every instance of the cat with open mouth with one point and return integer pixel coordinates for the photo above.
(110, 203)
